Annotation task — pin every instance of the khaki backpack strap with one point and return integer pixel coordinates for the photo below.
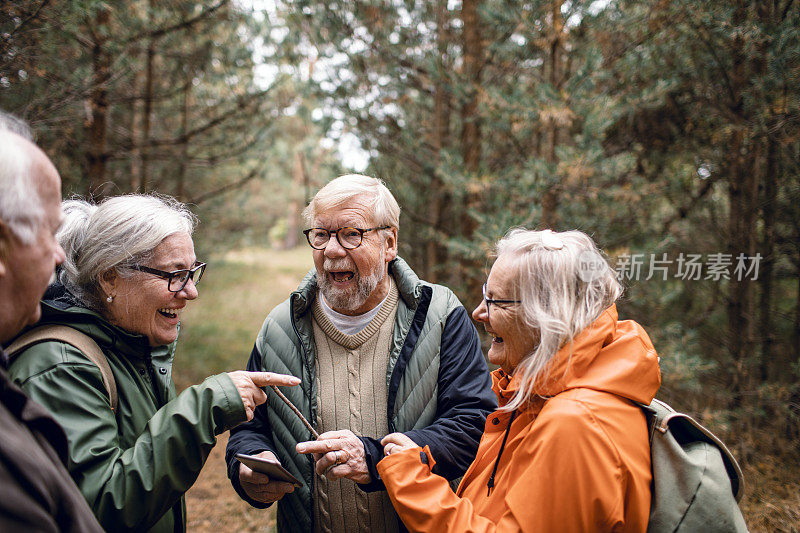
(79, 340)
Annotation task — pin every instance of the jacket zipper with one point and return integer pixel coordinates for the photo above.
(310, 399)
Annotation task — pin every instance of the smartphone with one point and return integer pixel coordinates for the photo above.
(271, 468)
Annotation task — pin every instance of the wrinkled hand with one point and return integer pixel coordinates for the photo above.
(339, 454)
(397, 442)
(258, 486)
(249, 386)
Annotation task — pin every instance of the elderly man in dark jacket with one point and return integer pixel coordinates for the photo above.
(36, 491)
(379, 351)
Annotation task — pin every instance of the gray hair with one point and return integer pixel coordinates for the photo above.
(564, 283)
(120, 232)
(20, 206)
(16, 125)
(385, 210)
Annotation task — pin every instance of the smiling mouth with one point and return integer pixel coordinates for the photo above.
(342, 276)
(169, 313)
(495, 338)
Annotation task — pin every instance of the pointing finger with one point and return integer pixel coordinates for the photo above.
(265, 379)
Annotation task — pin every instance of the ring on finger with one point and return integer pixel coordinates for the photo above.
(336, 462)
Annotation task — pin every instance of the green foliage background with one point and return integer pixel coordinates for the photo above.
(657, 126)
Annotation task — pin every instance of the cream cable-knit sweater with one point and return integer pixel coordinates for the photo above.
(352, 395)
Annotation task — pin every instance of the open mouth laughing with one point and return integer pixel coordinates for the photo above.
(495, 339)
(169, 312)
(342, 276)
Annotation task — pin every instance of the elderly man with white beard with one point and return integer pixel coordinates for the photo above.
(378, 351)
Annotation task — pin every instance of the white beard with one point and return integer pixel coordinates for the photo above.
(350, 299)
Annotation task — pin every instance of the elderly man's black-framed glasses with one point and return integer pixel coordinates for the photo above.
(349, 238)
(177, 279)
(495, 301)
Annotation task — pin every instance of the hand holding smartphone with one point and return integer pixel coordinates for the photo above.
(271, 468)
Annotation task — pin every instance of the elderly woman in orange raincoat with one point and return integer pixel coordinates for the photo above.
(568, 448)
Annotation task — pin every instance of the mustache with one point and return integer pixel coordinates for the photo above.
(340, 264)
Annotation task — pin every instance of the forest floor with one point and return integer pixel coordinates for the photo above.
(218, 333)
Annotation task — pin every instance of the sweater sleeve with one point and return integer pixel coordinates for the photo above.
(131, 488)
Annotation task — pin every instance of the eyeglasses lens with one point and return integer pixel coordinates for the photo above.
(179, 280)
(197, 274)
(349, 238)
(486, 301)
(318, 238)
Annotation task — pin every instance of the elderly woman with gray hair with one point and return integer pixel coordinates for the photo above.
(130, 269)
(568, 448)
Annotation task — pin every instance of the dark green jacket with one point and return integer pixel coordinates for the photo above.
(439, 391)
(133, 467)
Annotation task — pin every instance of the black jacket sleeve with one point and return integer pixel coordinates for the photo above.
(465, 399)
(249, 438)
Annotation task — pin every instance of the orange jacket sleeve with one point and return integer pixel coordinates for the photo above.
(564, 476)
(425, 501)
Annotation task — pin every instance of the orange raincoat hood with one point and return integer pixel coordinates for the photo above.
(609, 355)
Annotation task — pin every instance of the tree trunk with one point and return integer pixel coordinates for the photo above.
(741, 227)
(743, 198)
(148, 100)
(769, 369)
(98, 104)
(435, 253)
(183, 160)
(135, 179)
(550, 198)
(464, 224)
(473, 62)
(796, 328)
(295, 205)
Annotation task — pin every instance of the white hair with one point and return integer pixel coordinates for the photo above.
(120, 232)
(385, 210)
(564, 284)
(20, 206)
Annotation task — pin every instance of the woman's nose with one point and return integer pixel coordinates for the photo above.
(189, 290)
(481, 313)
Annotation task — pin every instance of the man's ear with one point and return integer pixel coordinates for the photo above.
(5, 246)
(391, 244)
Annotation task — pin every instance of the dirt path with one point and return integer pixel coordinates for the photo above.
(213, 505)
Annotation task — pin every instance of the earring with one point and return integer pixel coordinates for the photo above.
(110, 299)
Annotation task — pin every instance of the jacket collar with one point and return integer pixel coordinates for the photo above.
(609, 355)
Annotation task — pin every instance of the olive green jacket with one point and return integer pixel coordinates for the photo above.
(133, 466)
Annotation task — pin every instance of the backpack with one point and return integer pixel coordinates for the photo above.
(696, 481)
(79, 340)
